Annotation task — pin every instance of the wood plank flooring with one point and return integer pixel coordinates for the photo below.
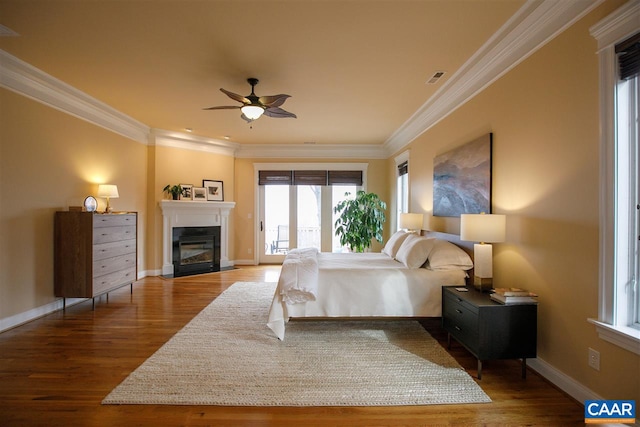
(56, 370)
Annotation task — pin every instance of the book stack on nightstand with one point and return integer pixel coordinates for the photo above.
(514, 296)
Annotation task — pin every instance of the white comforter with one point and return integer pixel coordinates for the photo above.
(363, 285)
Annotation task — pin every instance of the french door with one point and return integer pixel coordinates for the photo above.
(297, 216)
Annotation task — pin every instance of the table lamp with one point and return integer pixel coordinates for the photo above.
(412, 222)
(109, 191)
(484, 229)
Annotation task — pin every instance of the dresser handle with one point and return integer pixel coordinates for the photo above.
(457, 328)
(458, 311)
(459, 300)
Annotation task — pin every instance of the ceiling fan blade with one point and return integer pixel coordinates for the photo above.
(224, 107)
(278, 113)
(235, 96)
(273, 100)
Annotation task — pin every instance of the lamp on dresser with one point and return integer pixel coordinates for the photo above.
(412, 222)
(109, 191)
(483, 229)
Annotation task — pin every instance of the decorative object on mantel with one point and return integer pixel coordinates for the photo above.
(187, 192)
(108, 191)
(462, 179)
(174, 190)
(482, 228)
(412, 222)
(200, 194)
(214, 190)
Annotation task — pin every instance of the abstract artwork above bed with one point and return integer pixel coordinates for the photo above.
(462, 179)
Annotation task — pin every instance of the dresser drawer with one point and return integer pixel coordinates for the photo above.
(113, 234)
(114, 220)
(109, 250)
(113, 280)
(109, 265)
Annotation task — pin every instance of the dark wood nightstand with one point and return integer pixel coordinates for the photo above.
(487, 329)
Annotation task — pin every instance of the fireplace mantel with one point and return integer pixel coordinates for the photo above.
(180, 213)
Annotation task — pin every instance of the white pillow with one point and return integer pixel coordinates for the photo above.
(415, 250)
(394, 242)
(447, 256)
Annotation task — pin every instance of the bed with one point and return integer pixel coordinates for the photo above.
(404, 280)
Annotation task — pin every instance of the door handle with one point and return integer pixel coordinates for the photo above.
(261, 228)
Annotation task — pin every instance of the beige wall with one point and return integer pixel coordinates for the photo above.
(377, 182)
(544, 117)
(48, 161)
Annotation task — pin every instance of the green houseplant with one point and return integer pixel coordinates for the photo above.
(174, 190)
(360, 220)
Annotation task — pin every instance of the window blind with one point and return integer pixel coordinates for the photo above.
(345, 178)
(403, 168)
(628, 53)
(310, 177)
(275, 178)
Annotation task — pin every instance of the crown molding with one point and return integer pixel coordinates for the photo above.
(27, 80)
(314, 151)
(536, 23)
(192, 142)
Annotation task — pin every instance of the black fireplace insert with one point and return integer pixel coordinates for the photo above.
(196, 250)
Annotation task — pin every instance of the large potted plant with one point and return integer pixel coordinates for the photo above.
(360, 220)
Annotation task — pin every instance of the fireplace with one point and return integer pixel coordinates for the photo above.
(196, 250)
(181, 213)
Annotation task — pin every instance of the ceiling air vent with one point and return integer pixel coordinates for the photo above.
(436, 76)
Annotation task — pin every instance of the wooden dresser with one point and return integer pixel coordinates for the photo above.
(94, 253)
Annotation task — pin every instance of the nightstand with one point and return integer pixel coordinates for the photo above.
(487, 329)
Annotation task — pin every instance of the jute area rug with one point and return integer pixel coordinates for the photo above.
(228, 356)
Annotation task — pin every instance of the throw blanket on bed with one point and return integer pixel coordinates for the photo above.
(298, 281)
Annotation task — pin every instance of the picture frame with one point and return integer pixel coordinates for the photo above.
(462, 179)
(215, 192)
(187, 192)
(200, 194)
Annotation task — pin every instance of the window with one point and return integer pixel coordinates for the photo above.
(619, 299)
(402, 186)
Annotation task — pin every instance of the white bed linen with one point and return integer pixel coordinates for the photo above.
(367, 285)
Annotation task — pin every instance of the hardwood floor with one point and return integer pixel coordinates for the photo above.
(56, 370)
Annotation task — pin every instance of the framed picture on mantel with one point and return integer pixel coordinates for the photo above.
(200, 194)
(214, 189)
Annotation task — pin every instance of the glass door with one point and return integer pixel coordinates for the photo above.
(298, 216)
(275, 220)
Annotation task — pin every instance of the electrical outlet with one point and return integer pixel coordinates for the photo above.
(249, 251)
(594, 359)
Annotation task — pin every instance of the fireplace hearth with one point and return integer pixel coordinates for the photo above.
(196, 250)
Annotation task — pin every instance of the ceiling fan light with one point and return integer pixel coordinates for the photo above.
(252, 112)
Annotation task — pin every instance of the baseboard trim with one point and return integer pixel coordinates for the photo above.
(44, 310)
(561, 380)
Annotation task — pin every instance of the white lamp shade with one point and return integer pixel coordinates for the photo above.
(487, 228)
(108, 190)
(411, 221)
(252, 112)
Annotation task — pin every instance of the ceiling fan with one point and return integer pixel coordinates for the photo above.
(254, 106)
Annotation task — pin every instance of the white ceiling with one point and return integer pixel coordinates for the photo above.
(356, 70)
